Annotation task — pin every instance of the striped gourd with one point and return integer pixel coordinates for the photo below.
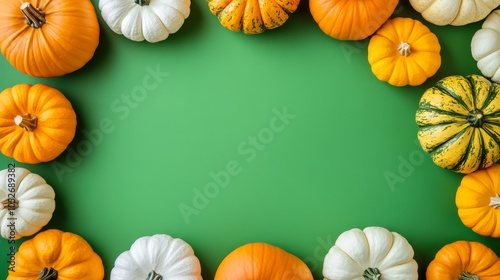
(459, 123)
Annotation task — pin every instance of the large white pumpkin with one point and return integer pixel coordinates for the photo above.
(372, 253)
(150, 20)
(26, 203)
(454, 12)
(485, 47)
(157, 257)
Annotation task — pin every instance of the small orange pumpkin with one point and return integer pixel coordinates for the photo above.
(464, 260)
(478, 201)
(47, 38)
(37, 123)
(257, 261)
(351, 20)
(54, 254)
(404, 52)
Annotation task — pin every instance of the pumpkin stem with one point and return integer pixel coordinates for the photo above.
(495, 201)
(27, 121)
(48, 274)
(404, 49)
(34, 17)
(9, 204)
(154, 276)
(142, 2)
(372, 274)
(468, 276)
(475, 118)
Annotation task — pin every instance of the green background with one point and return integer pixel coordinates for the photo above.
(322, 173)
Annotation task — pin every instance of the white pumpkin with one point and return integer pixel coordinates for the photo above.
(157, 257)
(150, 20)
(26, 203)
(372, 253)
(454, 12)
(485, 47)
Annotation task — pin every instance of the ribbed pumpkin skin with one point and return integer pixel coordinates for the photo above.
(66, 252)
(401, 64)
(65, 43)
(459, 124)
(474, 195)
(252, 16)
(258, 261)
(351, 19)
(464, 256)
(56, 125)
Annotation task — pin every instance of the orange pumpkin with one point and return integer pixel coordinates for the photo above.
(54, 254)
(351, 20)
(47, 38)
(464, 260)
(257, 261)
(36, 123)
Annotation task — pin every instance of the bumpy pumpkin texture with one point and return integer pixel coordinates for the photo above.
(257, 261)
(37, 122)
(478, 201)
(26, 199)
(485, 47)
(157, 257)
(252, 16)
(370, 254)
(351, 20)
(48, 38)
(458, 123)
(404, 52)
(454, 12)
(464, 260)
(54, 254)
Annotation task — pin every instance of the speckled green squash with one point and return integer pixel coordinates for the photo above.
(459, 123)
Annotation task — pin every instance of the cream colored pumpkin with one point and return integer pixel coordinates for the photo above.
(485, 47)
(454, 12)
(150, 20)
(371, 253)
(157, 257)
(26, 203)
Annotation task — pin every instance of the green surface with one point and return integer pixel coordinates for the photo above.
(297, 181)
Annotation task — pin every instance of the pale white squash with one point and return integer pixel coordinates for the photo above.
(454, 12)
(485, 47)
(372, 253)
(157, 257)
(150, 20)
(26, 203)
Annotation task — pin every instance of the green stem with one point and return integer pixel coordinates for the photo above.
(34, 17)
(372, 274)
(48, 274)
(142, 2)
(468, 276)
(475, 118)
(154, 276)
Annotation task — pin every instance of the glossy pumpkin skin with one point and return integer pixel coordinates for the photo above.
(257, 261)
(478, 201)
(458, 123)
(404, 52)
(67, 253)
(63, 44)
(37, 122)
(351, 19)
(464, 259)
(252, 16)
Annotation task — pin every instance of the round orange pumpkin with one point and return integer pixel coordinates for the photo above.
(47, 38)
(37, 123)
(351, 19)
(54, 254)
(257, 261)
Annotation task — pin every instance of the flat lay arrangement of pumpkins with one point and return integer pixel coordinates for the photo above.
(458, 126)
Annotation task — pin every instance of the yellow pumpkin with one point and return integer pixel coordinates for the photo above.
(404, 52)
(37, 122)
